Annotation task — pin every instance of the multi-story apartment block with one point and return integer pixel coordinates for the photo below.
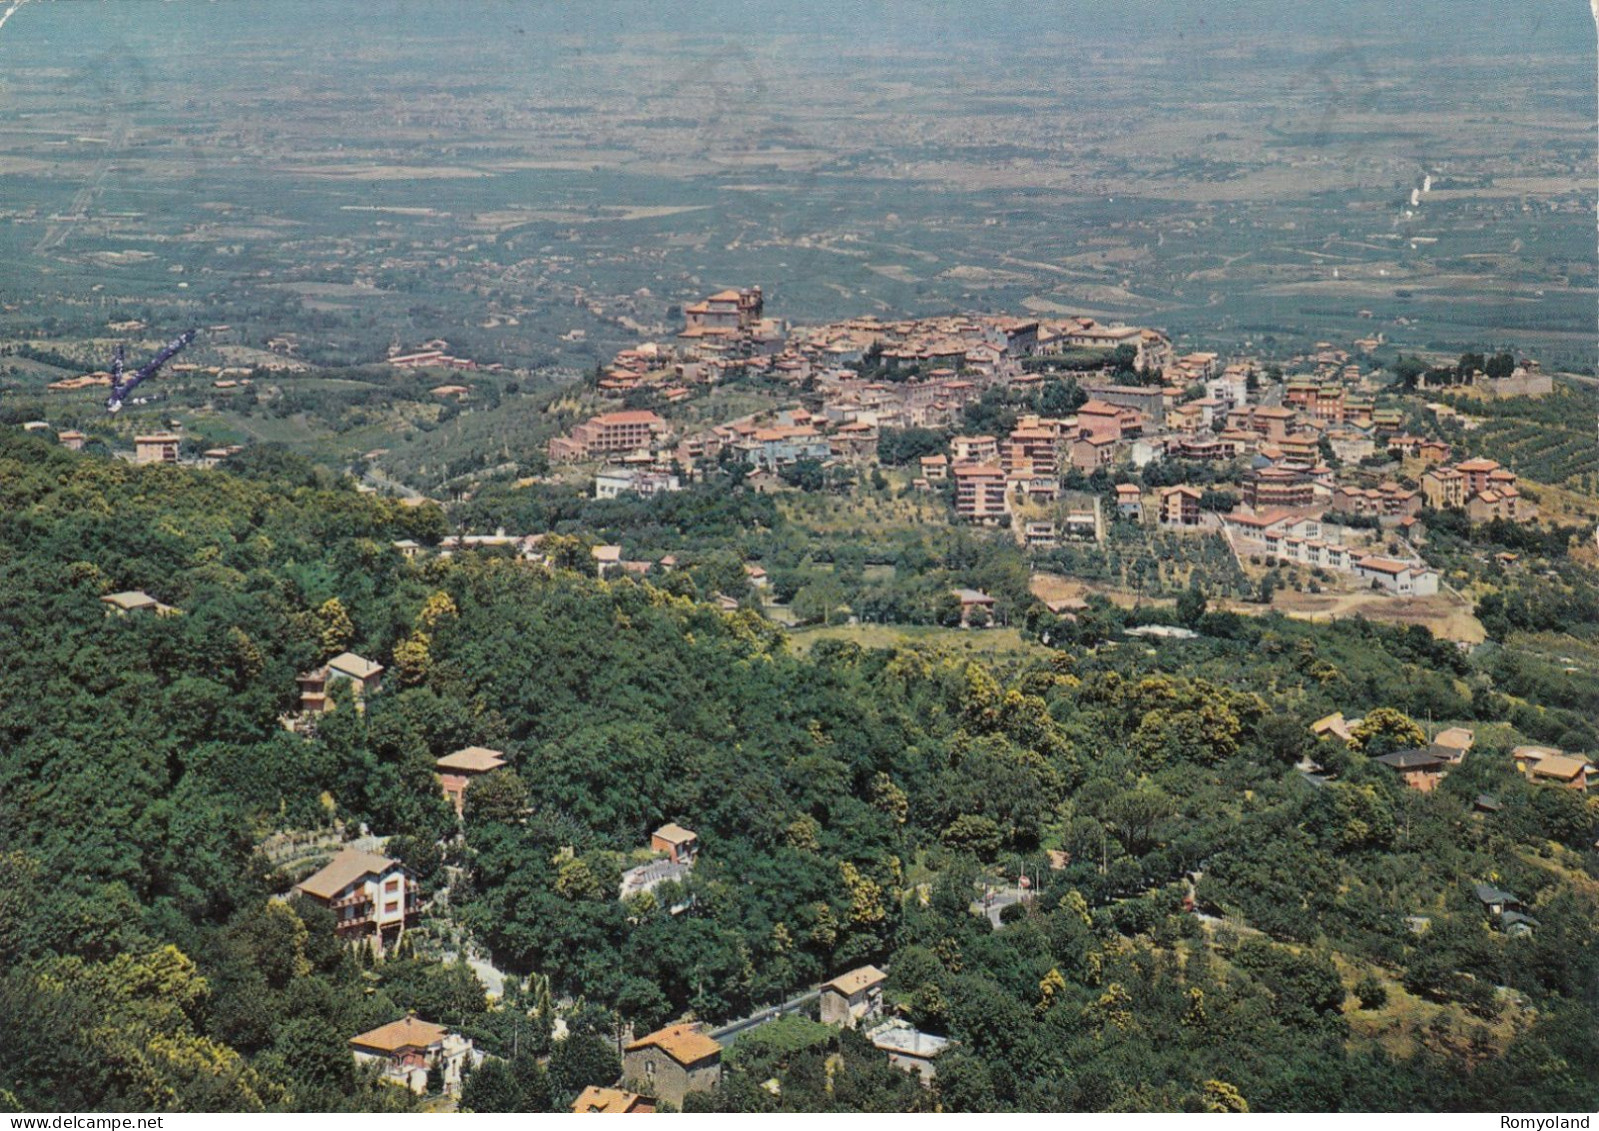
(980, 494)
(609, 433)
(1179, 506)
(156, 447)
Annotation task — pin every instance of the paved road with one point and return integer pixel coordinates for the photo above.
(492, 979)
(995, 900)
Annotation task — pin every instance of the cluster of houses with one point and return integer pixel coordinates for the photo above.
(665, 1066)
(865, 375)
(163, 447)
(608, 560)
(729, 331)
(375, 899)
(1481, 487)
(670, 1063)
(920, 373)
(1423, 768)
(432, 355)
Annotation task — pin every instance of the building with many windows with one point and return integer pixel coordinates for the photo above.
(373, 898)
(156, 447)
(980, 494)
(607, 434)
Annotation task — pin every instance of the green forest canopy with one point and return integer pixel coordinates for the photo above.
(847, 802)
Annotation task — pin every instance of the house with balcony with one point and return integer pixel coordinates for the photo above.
(156, 447)
(405, 1050)
(1179, 506)
(774, 448)
(373, 898)
(362, 674)
(980, 493)
(975, 449)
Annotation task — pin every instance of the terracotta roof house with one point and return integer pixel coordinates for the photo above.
(854, 997)
(362, 674)
(972, 600)
(1524, 756)
(1128, 500)
(595, 1100)
(607, 559)
(1562, 769)
(371, 896)
(680, 845)
(674, 1061)
(472, 760)
(457, 770)
(355, 667)
(1179, 506)
(1551, 764)
(405, 1049)
(1454, 741)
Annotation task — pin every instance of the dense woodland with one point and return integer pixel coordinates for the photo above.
(849, 802)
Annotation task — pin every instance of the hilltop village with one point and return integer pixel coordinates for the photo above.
(1307, 461)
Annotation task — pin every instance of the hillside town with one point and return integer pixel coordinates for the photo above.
(1317, 460)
